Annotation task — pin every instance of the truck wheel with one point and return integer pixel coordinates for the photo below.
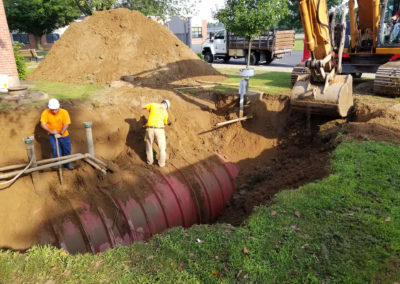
(226, 58)
(208, 57)
(268, 57)
(253, 59)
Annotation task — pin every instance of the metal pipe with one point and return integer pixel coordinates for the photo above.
(30, 149)
(30, 170)
(89, 137)
(96, 166)
(99, 161)
(18, 166)
(58, 159)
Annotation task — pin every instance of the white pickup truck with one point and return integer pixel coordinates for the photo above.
(265, 48)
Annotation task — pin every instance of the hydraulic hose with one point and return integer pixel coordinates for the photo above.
(4, 183)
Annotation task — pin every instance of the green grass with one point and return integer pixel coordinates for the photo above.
(42, 52)
(266, 81)
(66, 91)
(343, 235)
(298, 44)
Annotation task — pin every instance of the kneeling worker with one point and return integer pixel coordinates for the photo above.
(158, 118)
(56, 121)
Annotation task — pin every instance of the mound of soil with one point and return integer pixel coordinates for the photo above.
(120, 42)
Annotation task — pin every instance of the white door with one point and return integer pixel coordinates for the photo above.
(220, 42)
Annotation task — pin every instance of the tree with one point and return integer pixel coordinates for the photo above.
(292, 19)
(88, 6)
(39, 17)
(160, 8)
(19, 60)
(250, 18)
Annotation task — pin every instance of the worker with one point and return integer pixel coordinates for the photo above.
(56, 121)
(158, 119)
(394, 37)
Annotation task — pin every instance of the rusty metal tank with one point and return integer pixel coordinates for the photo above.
(182, 197)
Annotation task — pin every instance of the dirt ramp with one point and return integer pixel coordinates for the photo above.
(119, 42)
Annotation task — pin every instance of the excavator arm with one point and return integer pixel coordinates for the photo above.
(322, 91)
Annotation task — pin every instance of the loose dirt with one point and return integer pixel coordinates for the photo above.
(274, 150)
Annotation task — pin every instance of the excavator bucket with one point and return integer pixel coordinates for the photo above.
(336, 100)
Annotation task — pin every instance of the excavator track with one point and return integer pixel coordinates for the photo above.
(387, 79)
(299, 69)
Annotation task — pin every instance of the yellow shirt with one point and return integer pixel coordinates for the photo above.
(56, 121)
(158, 115)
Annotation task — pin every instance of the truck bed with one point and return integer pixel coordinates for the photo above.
(276, 42)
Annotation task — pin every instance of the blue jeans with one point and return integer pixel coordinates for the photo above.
(64, 144)
(395, 32)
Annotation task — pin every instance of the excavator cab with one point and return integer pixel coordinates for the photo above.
(389, 29)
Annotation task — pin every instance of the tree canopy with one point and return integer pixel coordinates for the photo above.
(39, 17)
(292, 19)
(89, 6)
(251, 18)
(160, 8)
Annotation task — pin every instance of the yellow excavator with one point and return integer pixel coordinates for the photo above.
(341, 50)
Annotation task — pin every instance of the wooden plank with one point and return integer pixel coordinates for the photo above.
(234, 120)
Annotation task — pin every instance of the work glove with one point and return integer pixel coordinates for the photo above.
(57, 135)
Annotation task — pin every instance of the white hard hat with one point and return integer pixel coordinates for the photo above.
(54, 104)
(167, 103)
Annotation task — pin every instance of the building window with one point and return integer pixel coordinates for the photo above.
(22, 38)
(52, 38)
(197, 32)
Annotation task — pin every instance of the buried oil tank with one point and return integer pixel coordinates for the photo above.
(142, 203)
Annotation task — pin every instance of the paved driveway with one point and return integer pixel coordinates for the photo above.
(284, 64)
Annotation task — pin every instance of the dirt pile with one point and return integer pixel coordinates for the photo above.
(120, 42)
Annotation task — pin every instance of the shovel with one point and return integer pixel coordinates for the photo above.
(59, 166)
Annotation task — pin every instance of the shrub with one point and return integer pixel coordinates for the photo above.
(19, 60)
(200, 55)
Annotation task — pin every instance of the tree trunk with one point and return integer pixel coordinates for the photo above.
(38, 39)
(248, 54)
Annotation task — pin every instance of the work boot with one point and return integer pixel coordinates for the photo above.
(55, 167)
(70, 167)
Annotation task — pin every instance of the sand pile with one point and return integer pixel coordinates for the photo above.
(111, 44)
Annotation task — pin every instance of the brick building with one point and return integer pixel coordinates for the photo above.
(7, 61)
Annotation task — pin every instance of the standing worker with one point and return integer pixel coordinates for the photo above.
(56, 121)
(158, 118)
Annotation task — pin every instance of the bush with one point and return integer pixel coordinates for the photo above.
(19, 60)
(200, 55)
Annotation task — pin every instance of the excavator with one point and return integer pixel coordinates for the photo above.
(342, 49)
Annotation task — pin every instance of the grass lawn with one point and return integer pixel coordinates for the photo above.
(342, 229)
(42, 52)
(270, 82)
(66, 91)
(298, 44)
